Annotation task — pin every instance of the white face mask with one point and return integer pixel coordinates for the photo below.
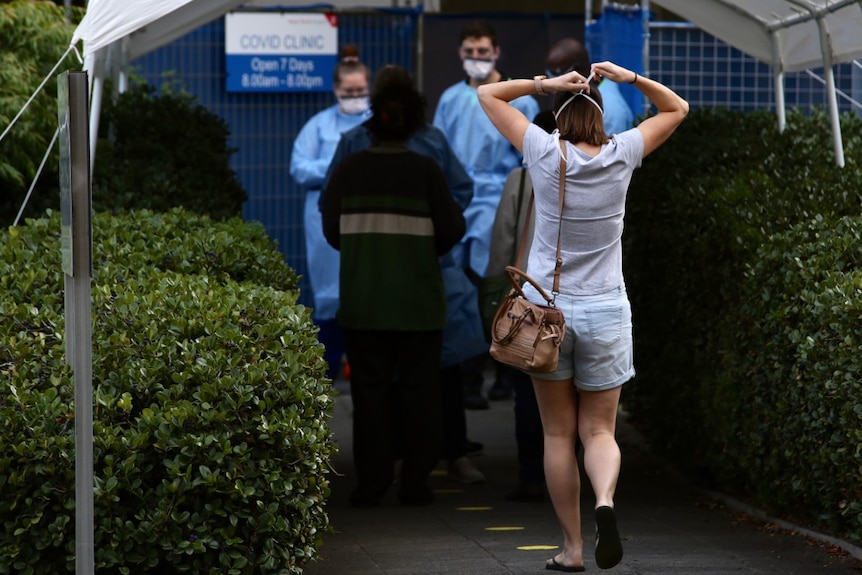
(354, 106)
(478, 69)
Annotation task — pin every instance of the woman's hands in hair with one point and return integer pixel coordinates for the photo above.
(613, 72)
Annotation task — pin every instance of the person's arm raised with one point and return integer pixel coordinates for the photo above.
(671, 108)
(495, 98)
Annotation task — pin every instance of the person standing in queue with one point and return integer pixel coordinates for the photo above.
(488, 158)
(390, 213)
(463, 337)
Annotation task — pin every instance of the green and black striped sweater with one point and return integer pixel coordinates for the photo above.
(390, 213)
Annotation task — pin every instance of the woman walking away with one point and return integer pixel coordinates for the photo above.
(581, 397)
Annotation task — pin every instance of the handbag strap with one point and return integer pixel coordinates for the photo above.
(558, 264)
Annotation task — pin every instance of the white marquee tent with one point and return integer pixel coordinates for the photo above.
(790, 35)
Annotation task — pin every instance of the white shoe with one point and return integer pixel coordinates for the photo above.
(463, 471)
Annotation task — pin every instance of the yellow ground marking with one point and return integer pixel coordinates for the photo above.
(439, 473)
(448, 491)
(473, 508)
(512, 528)
(537, 547)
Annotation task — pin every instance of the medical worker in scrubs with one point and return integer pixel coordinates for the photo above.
(312, 152)
(488, 158)
(485, 154)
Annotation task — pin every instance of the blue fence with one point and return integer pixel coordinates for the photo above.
(701, 68)
(708, 73)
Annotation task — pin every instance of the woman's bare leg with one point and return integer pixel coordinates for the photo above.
(597, 420)
(597, 425)
(558, 406)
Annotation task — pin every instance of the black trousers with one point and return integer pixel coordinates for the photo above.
(380, 361)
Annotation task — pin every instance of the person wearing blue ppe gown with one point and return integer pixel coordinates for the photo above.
(463, 336)
(310, 159)
(487, 157)
(569, 54)
(485, 154)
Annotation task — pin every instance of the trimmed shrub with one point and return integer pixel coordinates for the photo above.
(162, 150)
(211, 446)
(796, 425)
(704, 210)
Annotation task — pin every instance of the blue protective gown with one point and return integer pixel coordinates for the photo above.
(464, 335)
(487, 156)
(618, 116)
(312, 153)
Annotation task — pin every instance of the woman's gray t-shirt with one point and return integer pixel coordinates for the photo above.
(594, 206)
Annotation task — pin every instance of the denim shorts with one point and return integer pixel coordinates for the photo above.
(597, 350)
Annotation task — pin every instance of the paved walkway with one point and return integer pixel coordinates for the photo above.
(666, 526)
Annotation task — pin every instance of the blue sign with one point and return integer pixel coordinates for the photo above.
(280, 51)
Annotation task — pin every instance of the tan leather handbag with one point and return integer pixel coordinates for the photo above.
(526, 335)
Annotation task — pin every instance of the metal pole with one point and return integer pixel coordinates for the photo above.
(778, 80)
(77, 266)
(420, 51)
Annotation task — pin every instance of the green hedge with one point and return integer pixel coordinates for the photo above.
(162, 150)
(797, 424)
(210, 402)
(712, 205)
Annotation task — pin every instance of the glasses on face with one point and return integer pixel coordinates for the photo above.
(480, 52)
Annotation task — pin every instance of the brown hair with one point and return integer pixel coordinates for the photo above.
(398, 110)
(349, 64)
(479, 29)
(581, 121)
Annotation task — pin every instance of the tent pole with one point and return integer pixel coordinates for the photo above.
(94, 64)
(829, 76)
(778, 80)
(123, 67)
(780, 105)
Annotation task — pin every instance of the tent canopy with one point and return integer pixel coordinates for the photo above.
(790, 35)
(148, 24)
(783, 33)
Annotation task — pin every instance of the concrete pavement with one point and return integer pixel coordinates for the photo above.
(666, 526)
